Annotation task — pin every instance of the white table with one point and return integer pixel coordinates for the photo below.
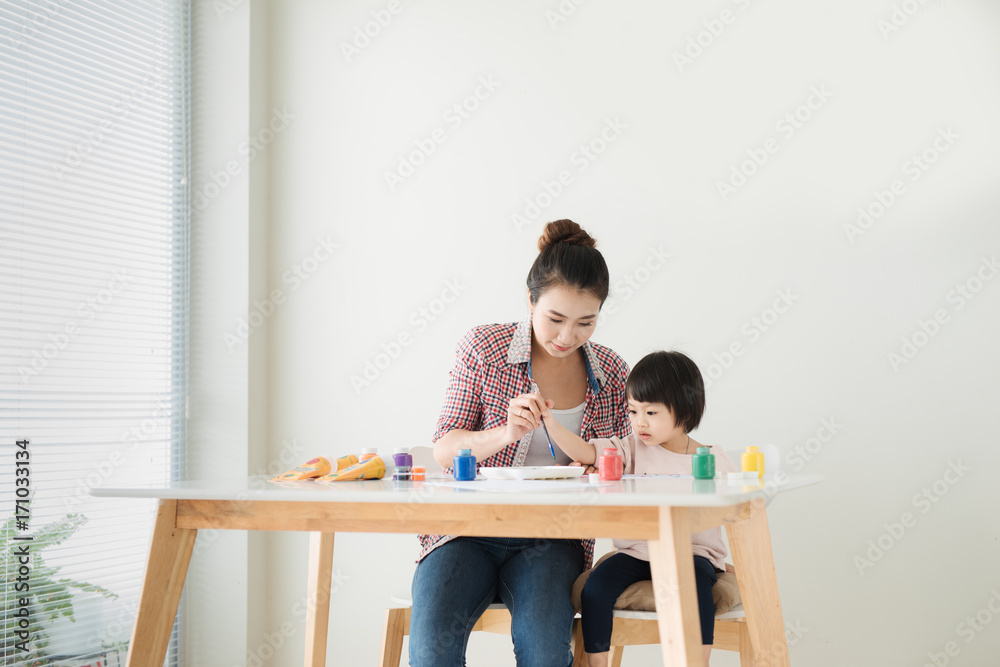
(663, 510)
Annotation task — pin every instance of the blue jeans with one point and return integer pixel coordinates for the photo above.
(455, 583)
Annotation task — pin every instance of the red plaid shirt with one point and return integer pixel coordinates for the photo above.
(492, 367)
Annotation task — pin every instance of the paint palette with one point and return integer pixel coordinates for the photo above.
(533, 472)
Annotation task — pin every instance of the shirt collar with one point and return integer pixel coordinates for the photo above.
(519, 352)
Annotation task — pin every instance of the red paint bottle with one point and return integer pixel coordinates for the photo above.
(611, 465)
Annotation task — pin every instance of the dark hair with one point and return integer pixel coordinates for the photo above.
(670, 378)
(567, 256)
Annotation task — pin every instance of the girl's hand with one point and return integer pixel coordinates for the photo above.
(589, 469)
(524, 414)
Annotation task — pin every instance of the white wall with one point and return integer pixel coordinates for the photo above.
(216, 597)
(227, 423)
(899, 427)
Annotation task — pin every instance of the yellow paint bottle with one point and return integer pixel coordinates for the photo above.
(753, 460)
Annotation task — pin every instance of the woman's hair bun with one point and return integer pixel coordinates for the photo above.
(564, 231)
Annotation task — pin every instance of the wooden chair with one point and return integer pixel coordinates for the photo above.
(496, 619)
(631, 628)
(637, 628)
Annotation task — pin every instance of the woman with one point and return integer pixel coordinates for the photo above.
(493, 408)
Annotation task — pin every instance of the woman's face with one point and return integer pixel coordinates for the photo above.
(563, 319)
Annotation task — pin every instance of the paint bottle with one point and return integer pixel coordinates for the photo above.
(418, 473)
(703, 464)
(753, 461)
(367, 453)
(611, 465)
(464, 466)
(401, 457)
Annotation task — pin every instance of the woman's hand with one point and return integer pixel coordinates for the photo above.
(524, 414)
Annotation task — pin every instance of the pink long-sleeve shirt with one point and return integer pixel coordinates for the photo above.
(640, 458)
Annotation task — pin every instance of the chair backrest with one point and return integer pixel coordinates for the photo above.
(424, 456)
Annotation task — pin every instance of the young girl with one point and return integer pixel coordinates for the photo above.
(666, 399)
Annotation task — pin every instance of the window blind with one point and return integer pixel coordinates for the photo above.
(94, 245)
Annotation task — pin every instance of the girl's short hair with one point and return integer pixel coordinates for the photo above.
(670, 378)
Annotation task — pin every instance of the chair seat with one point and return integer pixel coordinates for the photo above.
(732, 614)
(407, 601)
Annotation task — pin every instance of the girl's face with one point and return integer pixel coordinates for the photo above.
(653, 423)
(563, 319)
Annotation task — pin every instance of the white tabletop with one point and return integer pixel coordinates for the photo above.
(636, 491)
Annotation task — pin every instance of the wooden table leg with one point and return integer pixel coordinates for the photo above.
(318, 600)
(169, 555)
(753, 559)
(672, 564)
(396, 626)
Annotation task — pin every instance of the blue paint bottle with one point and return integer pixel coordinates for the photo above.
(464, 466)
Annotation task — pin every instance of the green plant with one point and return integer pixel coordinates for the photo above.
(49, 597)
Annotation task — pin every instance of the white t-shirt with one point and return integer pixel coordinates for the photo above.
(640, 458)
(538, 450)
